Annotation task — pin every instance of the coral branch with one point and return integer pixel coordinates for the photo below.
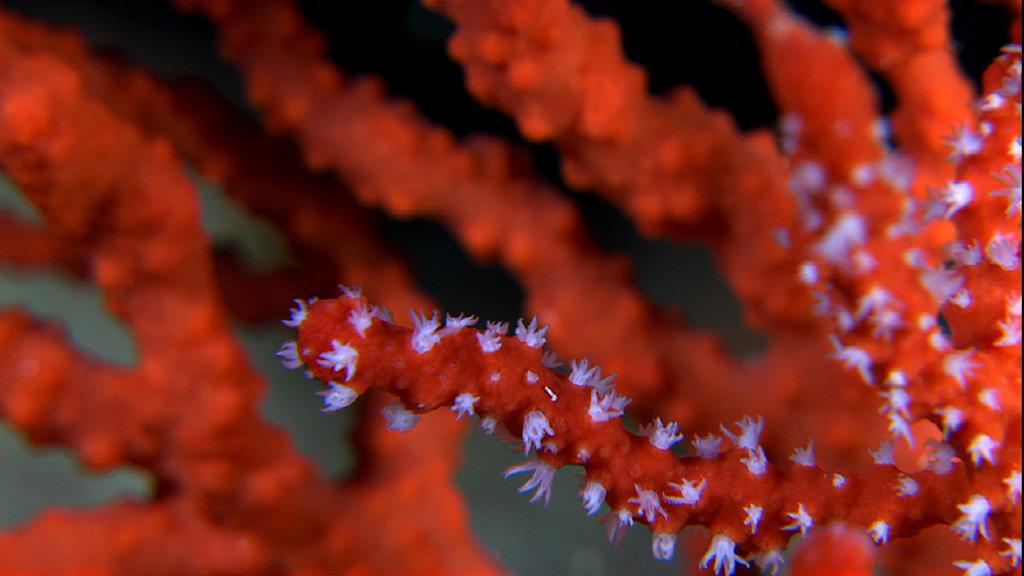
(507, 382)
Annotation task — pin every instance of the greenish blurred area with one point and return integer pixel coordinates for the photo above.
(30, 480)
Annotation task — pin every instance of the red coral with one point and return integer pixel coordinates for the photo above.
(842, 249)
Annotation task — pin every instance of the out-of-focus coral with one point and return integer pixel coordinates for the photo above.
(880, 255)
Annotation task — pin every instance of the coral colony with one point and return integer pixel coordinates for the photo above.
(881, 255)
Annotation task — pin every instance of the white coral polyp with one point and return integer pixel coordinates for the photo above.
(341, 356)
(1003, 250)
(339, 396)
(424, 334)
(463, 405)
(490, 339)
(361, 318)
(801, 520)
(974, 518)
(648, 504)
(721, 556)
(531, 335)
(607, 406)
(297, 315)
(663, 546)
(753, 518)
(689, 492)
(707, 446)
(398, 418)
(975, 568)
(750, 432)
(541, 480)
(879, 532)
(661, 435)
(582, 372)
(982, 449)
(289, 355)
(535, 428)
(592, 495)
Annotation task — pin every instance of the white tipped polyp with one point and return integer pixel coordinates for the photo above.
(879, 532)
(750, 432)
(1012, 551)
(804, 456)
(582, 373)
(490, 339)
(550, 360)
(398, 418)
(340, 356)
(339, 396)
(770, 561)
(648, 504)
(607, 406)
(854, 358)
(952, 419)
(975, 568)
(531, 335)
(463, 405)
(592, 495)
(974, 519)
(753, 518)
(361, 318)
(289, 355)
(722, 557)
(535, 428)
(661, 435)
(689, 492)
(353, 292)
(488, 425)
(453, 324)
(883, 455)
(802, 521)
(755, 461)
(615, 524)
(708, 446)
(424, 333)
(1013, 485)
(297, 315)
(982, 449)
(907, 486)
(960, 366)
(663, 546)
(543, 477)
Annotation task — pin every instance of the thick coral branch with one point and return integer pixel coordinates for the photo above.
(574, 420)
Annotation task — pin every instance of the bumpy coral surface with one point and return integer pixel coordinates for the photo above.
(877, 246)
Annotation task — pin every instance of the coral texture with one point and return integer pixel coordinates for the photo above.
(880, 254)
